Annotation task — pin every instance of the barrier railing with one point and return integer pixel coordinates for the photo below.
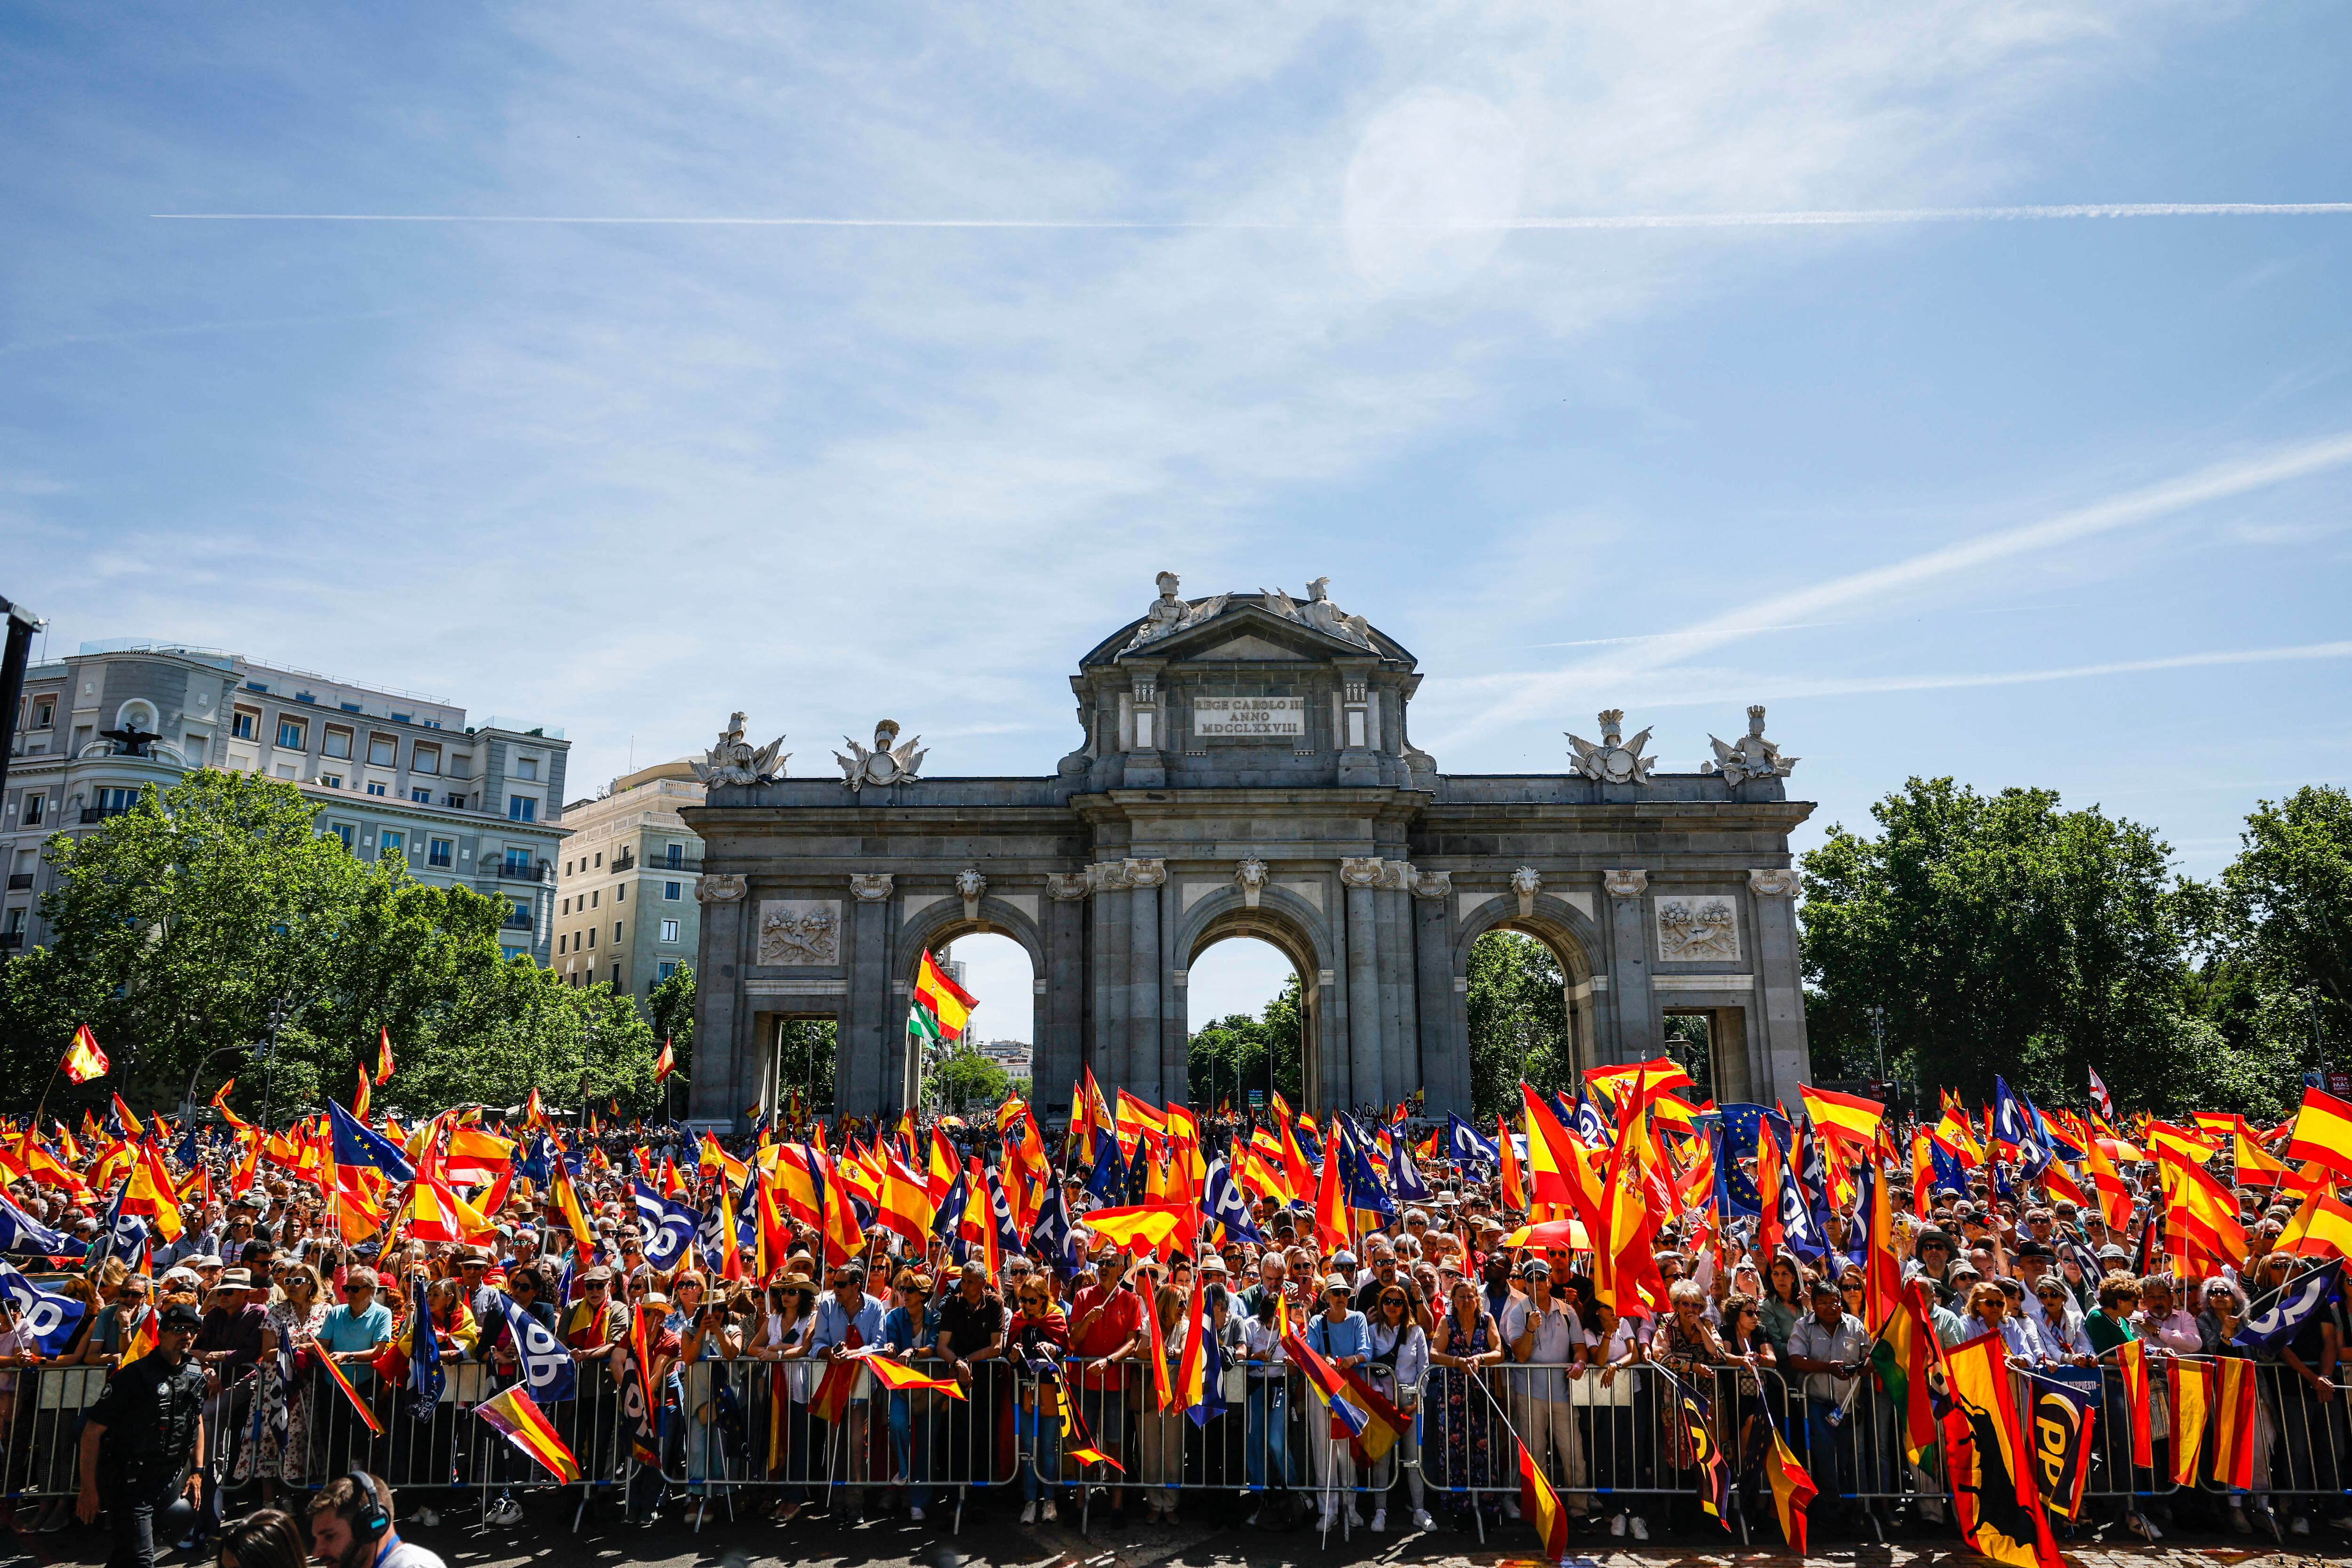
(1610, 1440)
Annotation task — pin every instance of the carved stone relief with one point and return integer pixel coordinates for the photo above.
(800, 931)
(870, 887)
(1626, 884)
(1068, 887)
(1702, 927)
(718, 889)
(1525, 883)
(1249, 874)
(1613, 759)
(1776, 884)
(1146, 873)
(1751, 756)
(971, 887)
(1360, 870)
(735, 761)
(1432, 884)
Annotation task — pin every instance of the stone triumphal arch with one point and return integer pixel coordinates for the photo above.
(1247, 770)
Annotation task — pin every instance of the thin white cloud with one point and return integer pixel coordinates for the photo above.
(1749, 687)
(1878, 584)
(1826, 218)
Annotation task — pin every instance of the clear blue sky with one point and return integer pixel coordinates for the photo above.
(2033, 500)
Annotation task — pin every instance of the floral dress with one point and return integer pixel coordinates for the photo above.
(1465, 1418)
(285, 1418)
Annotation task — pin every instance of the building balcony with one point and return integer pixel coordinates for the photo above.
(626, 860)
(514, 871)
(10, 940)
(19, 880)
(94, 814)
(517, 920)
(691, 868)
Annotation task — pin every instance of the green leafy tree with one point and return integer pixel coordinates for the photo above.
(2288, 903)
(1228, 1059)
(963, 1079)
(2005, 935)
(1518, 1020)
(806, 1052)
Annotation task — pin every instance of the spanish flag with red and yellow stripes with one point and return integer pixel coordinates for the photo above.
(83, 1061)
(2323, 1131)
(525, 1426)
(1540, 1503)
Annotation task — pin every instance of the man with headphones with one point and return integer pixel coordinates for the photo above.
(350, 1527)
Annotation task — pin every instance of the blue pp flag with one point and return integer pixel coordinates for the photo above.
(1469, 1149)
(424, 1374)
(50, 1319)
(1222, 1200)
(669, 1227)
(19, 1232)
(547, 1367)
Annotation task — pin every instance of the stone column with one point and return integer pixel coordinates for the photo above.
(1359, 876)
(1399, 1028)
(1175, 1076)
(1445, 1057)
(721, 1020)
(1629, 965)
(1061, 1012)
(867, 1076)
(1780, 971)
(1113, 937)
(1143, 976)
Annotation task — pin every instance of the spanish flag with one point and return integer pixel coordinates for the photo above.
(527, 1428)
(144, 1338)
(1846, 1116)
(1077, 1442)
(336, 1372)
(2233, 1423)
(2131, 1367)
(2190, 1385)
(665, 1063)
(2322, 1228)
(382, 1055)
(1793, 1488)
(361, 1096)
(898, 1377)
(1540, 1505)
(2323, 1131)
(131, 1125)
(949, 1005)
(1989, 1462)
(83, 1061)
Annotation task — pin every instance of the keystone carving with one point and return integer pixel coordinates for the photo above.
(1629, 884)
(971, 887)
(1525, 883)
(1775, 884)
(1249, 873)
(720, 890)
(1068, 887)
(870, 887)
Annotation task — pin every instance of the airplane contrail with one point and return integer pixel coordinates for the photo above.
(1830, 217)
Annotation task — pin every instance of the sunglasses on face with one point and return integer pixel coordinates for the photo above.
(1392, 1301)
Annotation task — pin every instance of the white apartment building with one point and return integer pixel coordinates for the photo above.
(394, 774)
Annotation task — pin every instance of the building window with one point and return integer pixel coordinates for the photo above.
(616, 977)
(342, 831)
(194, 746)
(35, 803)
(594, 897)
(669, 931)
(567, 907)
(333, 781)
(676, 854)
(562, 946)
(383, 750)
(425, 759)
(375, 788)
(292, 734)
(286, 770)
(621, 894)
(390, 846)
(403, 718)
(616, 933)
(510, 954)
(455, 801)
(526, 767)
(349, 706)
(115, 802)
(245, 723)
(45, 712)
(338, 743)
(421, 796)
(522, 808)
(600, 857)
(442, 853)
(669, 971)
(591, 936)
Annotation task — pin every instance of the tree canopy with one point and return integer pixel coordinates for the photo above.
(2003, 934)
(187, 927)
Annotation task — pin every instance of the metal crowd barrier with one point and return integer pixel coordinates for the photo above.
(725, 1427)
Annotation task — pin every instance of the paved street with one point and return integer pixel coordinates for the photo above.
(996, 1543)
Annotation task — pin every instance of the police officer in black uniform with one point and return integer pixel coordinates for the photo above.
(144, 1443)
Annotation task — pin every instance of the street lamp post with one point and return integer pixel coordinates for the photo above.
(277, 1011)
(2318, 1041)
(1878, 1016)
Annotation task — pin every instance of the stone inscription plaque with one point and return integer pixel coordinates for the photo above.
(1247, 717)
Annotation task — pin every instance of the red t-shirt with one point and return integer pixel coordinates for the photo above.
(1119, 1318)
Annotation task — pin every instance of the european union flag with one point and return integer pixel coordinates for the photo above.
(1740, 1121)
(357, 1145)
(1108, 1181)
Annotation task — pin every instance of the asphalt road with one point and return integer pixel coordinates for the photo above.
(995, 1540)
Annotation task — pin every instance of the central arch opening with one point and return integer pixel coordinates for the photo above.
(1246, 1022)
(996, 1055)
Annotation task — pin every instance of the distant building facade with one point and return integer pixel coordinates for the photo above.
(625, 910)
(394, 774)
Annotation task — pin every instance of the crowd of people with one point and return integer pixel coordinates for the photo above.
(1471, 1296)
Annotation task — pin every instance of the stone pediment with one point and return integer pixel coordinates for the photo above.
(1244, 646)
(1245, 628)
